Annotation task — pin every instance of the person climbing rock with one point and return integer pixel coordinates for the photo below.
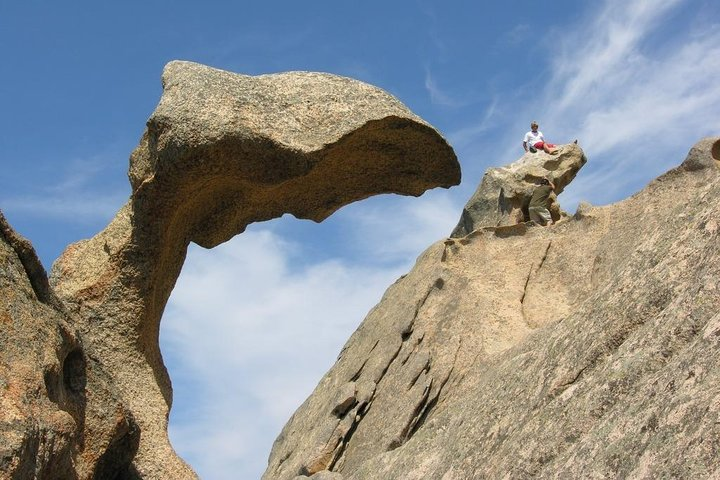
(535, 140)
(540, 203)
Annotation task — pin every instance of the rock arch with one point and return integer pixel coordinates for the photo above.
(221, 151)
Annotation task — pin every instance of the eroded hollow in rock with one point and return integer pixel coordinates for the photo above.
(716, 150)
(74, 372)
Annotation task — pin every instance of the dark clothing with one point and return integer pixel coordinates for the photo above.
(540, 196)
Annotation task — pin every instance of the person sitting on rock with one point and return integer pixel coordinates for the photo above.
(534, 140)
(540, 203)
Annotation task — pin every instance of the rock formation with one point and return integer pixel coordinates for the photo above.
(60, 415)
(587, 349)
(504, 193)
(84, 390)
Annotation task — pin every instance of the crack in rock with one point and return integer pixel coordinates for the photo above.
(527, 280)
(342, 436)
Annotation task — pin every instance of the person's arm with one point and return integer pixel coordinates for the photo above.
(525, 146)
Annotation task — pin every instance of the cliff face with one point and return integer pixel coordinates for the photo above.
(84, 390)
(587, 349)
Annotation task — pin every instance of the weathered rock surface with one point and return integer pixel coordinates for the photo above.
(84, 390)
(587, 349)
(504, 193)
(60, 414)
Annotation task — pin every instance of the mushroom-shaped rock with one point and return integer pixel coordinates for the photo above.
(221, 151)
(504, 193)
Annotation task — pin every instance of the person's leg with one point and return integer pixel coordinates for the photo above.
(540, 215)
(546, 147)
(534, 216)
(550, 148)
(546, 216)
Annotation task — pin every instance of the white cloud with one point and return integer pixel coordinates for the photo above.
(636, 109)
(461, 137)
(618, 91)
(399, 230)
(518, 34)
(675, 96)
(247, 336)
(600, 53)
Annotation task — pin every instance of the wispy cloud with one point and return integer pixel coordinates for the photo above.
(598, 54)
(396, 232)
(437, 43)
(463, 136)
(667, 99)
(636, 107)
(76, 207)
(437, 95)
(70, 192)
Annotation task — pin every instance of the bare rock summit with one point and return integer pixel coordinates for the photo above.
(504, 193)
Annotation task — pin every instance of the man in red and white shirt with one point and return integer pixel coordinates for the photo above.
(534, 140)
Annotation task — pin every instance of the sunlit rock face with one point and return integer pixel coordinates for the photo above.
(586, 349)
(84, 390)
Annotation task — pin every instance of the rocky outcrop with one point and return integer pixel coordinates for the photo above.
(504, 193)
(85, 393)
(60, 414)
(587, 349)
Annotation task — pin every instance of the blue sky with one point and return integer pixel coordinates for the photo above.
(254, 323)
